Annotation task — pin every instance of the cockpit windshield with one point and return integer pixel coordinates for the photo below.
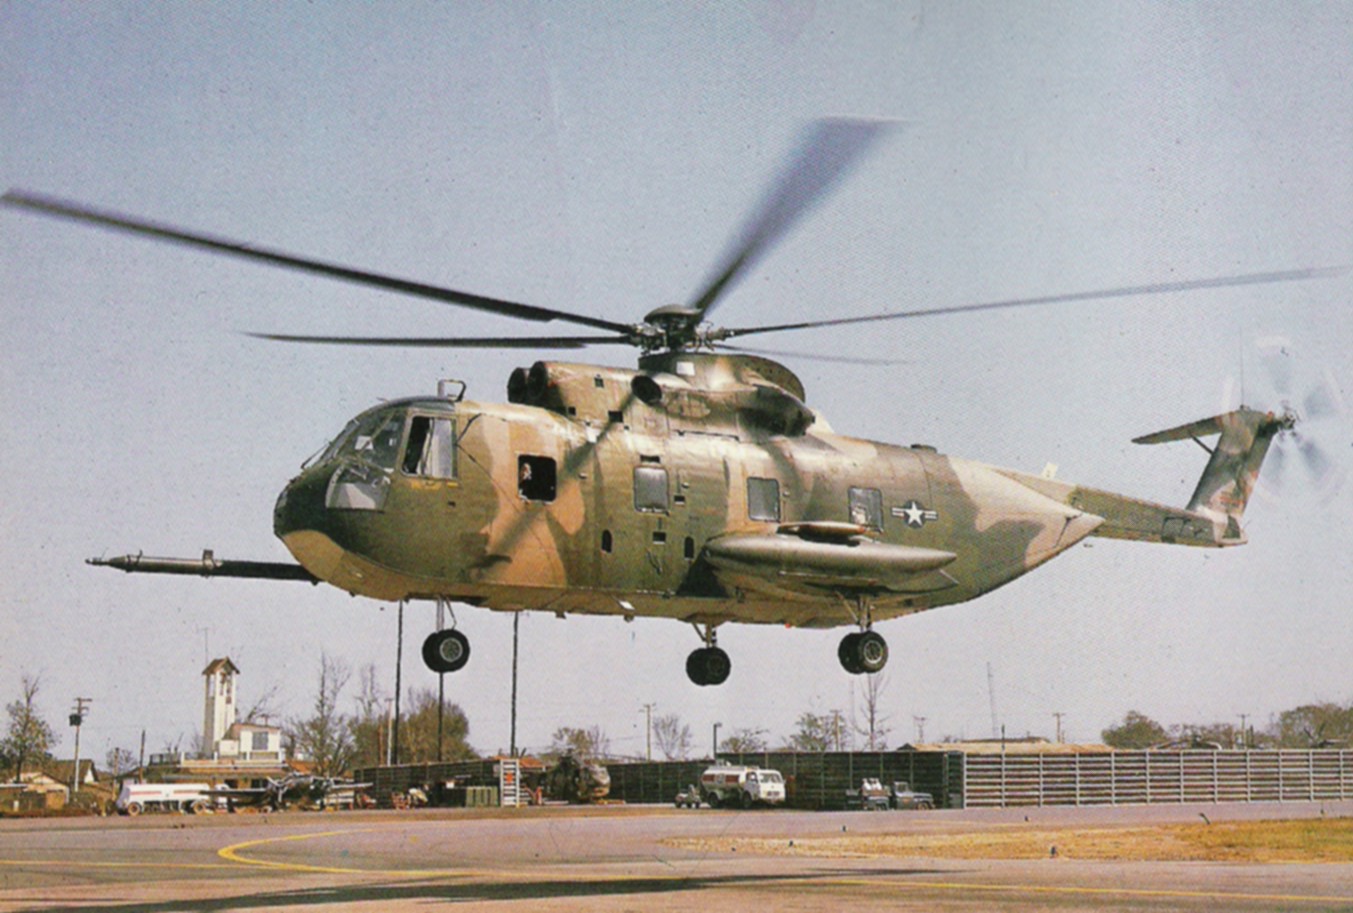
(368, 451)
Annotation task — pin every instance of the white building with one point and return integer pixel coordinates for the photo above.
(223, 736)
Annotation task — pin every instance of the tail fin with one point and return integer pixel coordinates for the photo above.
(1228, 481)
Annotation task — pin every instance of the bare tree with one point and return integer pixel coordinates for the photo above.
(325, 736)
(368, 724)
(264, 708)
(30, 737)
(673, 736)
(872, 725)
(585, 744)
(744, 741)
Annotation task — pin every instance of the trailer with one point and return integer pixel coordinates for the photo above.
(136, 798)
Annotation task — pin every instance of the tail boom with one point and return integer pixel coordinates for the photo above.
(1212, 517)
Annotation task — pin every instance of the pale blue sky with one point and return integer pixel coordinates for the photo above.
(596, 157)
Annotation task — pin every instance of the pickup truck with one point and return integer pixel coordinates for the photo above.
(902, 796)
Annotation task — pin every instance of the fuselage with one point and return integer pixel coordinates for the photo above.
(635, 501)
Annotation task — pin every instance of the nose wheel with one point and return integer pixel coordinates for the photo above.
(709, 665)
(446, 651)
(863, 653)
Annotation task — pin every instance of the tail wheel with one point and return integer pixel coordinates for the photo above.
(446, 651)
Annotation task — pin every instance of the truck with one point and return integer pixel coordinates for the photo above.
(903, 796)
(136, 798)
(871, 796)
(738, 786)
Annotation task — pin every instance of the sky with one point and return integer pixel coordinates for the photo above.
(596, 158)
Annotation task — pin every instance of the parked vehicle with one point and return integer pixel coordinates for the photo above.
(871, 796)
(735, 786)
(136, 798)
(904, 797)
(689, 797)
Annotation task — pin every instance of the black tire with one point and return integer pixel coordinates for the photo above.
(848, 653)
(708, 666)
(871, 652)
(695, 667)
(717, 666)
(446, 651)
(745, 799)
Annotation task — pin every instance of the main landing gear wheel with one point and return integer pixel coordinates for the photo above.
(446, 651)
(708, 666)
(863, 653)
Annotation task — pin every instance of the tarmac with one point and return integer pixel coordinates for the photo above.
(618, 858)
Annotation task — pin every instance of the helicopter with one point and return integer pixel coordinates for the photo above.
(700, 486)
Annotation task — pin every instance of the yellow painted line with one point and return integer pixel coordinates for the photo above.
(232, 854)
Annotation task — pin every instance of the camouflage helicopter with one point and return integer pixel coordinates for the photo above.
(700, 487)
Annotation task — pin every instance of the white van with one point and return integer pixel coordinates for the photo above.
(735, 786)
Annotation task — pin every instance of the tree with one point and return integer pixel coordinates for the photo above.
(820, 732)
(119, 761)
(673, 736)
(744, 741)
(30, 737)
(1136, 731)
(1315, 726)
(369, 724)
(325, 736)
(873, 726)
(584, 744)
(418, 730)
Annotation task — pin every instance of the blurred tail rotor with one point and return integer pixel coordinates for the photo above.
(1311, 420)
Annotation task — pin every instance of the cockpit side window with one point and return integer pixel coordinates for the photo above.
(431, 448)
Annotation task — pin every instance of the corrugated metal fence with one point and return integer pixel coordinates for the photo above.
(1146, 777)
(812, 779)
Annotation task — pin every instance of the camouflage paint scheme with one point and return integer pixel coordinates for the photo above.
(651, 512)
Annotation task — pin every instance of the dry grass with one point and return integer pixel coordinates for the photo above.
(1320, 840)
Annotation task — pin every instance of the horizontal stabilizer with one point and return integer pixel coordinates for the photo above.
(1201, 428)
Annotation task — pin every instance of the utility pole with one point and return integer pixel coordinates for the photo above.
(715, 756)
(77, 718)
(1244, 734)
(1059, 714)
(991, 696)
(399, 670)
(920, 728)
(648, 726)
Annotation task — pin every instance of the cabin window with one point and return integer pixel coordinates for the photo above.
(763, 500)
(688, 549)
(536, 478)
(650, 489)
(607, 542)
(866, 507)
(431, 448)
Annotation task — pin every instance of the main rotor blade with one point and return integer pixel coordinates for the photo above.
(813, 356)
(1157, 288)
(829, 150)
(481, 342)
(161, 232)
